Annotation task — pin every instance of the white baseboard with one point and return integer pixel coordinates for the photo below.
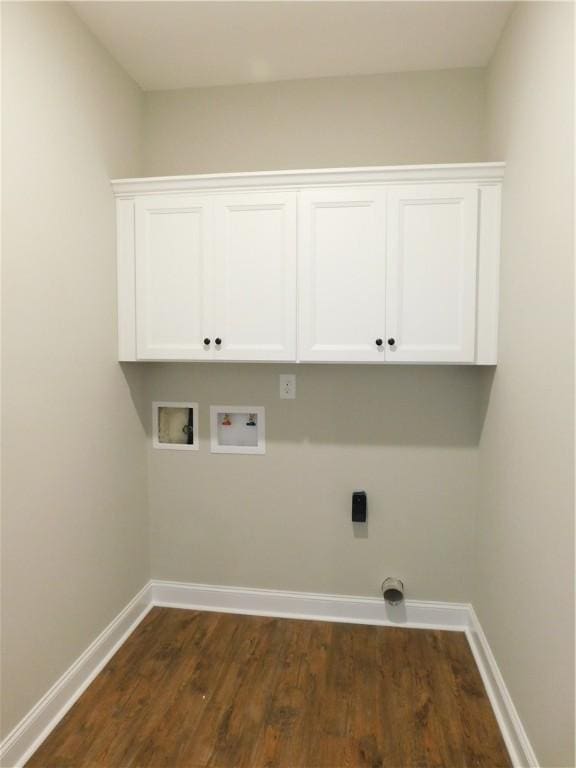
(20, 744)
(30, 732)
(308, 605)
(515, 737)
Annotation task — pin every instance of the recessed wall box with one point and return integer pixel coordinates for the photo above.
(237, 429)
(175, 426)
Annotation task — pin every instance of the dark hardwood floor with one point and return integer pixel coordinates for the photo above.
(206, 689)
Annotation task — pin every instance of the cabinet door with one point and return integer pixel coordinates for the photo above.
(431, 273)
(171, 235)
(342, 263)
(254, 276)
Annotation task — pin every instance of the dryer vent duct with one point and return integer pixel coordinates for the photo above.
(393, 590)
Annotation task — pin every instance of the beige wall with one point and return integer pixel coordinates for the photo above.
(413, 117)
(525, 553)
(407, 435)
(74, 526)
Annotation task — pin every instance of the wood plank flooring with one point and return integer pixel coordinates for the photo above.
(191, 689)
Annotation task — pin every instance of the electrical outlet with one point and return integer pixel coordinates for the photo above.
(288, 386)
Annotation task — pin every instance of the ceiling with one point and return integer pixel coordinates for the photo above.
(166, 45)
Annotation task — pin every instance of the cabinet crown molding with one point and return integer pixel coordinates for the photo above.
(492, 172)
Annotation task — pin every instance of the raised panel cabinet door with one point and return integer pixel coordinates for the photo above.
(431, 273)
(342, 266)
(254, 276)
(171, 237)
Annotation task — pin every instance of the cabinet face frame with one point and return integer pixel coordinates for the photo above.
(488, 279)
(126, 279)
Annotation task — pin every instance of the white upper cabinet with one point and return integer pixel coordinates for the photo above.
(215, 277)
(431, 273)
(342, 289)
(369, 265)
(254, 287)
(172, 311)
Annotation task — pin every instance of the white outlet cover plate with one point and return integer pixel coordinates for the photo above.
(288, 386)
